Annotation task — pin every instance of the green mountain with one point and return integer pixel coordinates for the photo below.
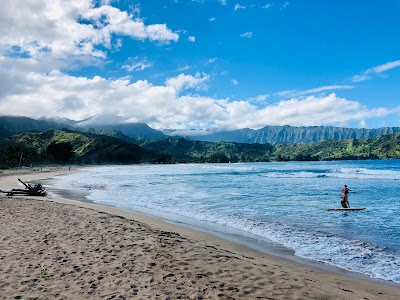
(129, 132)
(140, 132)
(108, 145)
(183, 150)
(4, 133)
(133, 130)
(60, 146)
(296, 135)
(382, 147)
(65, 146)
(24, 124)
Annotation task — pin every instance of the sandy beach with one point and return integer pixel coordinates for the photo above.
(53, 248)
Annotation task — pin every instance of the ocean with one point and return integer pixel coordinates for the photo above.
(277, 207)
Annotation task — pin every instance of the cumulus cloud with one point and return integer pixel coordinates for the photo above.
(183, 81)
(212, 19)
(369, 73)
(40, 40)
(61, 29)
(314, 111)
(56, 94)
(191, 39)
(223, 2)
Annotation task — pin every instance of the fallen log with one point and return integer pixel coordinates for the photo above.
(36, 190)
(27, 185)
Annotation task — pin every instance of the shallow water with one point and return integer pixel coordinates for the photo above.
(279, 203)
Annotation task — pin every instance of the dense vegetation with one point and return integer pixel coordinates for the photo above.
(70, 147)
(63, 146)
(182, 150)
(382, 147)
(11, 125)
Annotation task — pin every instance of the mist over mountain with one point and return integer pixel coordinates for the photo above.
(134, 130)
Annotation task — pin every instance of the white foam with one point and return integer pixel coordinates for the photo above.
(368, 173)
(346, 173)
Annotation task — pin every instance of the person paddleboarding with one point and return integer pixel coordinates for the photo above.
(345, 197)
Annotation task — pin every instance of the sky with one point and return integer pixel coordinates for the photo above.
(205, 65)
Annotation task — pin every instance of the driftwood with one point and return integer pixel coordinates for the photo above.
(36, 190)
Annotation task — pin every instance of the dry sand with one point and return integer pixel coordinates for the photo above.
(52, 248)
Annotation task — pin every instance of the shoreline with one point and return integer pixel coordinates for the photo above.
(248, 242)
(288, 277)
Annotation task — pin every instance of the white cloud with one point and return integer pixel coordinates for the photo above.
(363, 124)
(135, 9)
(184, 68)
(223, 2)
(247, 35)
(191, 39)
(297, 93)
(183, 81)
(212, 19)
(135, 65)
(259, 98)
(314, 111)
(387, 66)
(40, 38)
(358, 78)
(53, 29)
(267, 5)
(238, 6)
(211, 60)
(25, 90)
(368, 74)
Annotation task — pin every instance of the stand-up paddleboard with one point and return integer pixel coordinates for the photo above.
(346, 209)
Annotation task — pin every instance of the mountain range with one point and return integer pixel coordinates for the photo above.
(295, 135)
(141, 131)
(25, 141)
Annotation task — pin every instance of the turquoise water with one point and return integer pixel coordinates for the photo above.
(281, 203)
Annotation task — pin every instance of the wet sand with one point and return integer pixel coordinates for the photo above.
(53, 248)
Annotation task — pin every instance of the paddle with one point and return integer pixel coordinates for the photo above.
(348, 203)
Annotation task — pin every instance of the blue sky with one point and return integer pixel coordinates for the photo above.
(210, 65)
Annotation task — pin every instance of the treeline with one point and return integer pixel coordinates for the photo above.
(183, 150)
(382, 147)
(66, 146)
